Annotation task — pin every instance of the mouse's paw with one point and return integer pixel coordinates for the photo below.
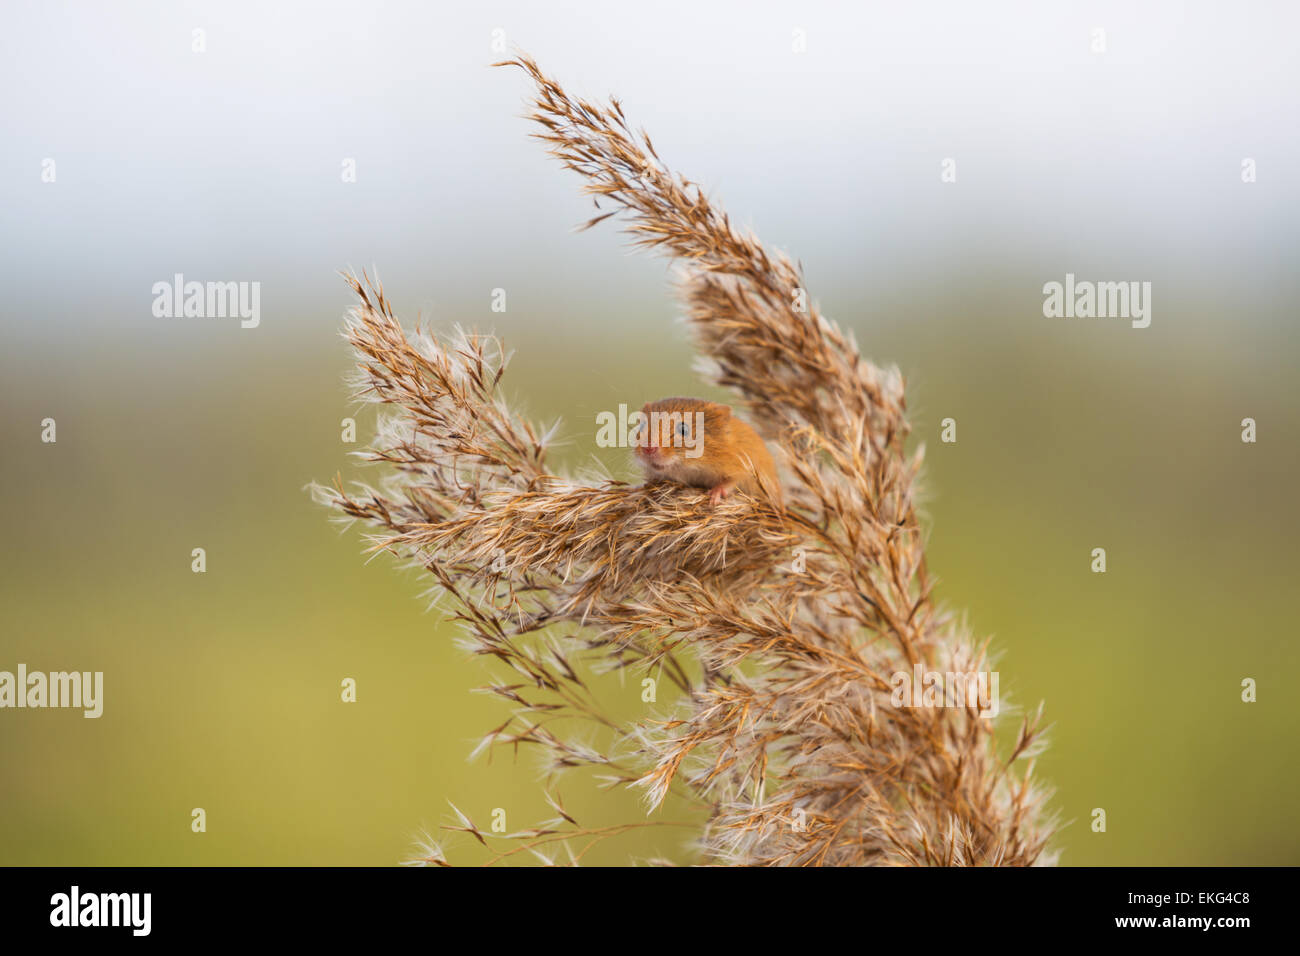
(720, 492)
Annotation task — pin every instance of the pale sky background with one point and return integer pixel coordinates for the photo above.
(226, 165)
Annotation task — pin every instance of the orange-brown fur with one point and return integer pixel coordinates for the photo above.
(727, 455)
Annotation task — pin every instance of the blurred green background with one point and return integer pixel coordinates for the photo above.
(222, 688)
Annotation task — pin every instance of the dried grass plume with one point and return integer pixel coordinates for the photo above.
(780, 628)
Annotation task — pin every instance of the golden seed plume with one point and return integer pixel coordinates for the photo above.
(782, 630)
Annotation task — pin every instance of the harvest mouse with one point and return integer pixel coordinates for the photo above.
(701, 444)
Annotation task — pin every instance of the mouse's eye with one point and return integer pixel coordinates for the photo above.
(683, 430)
(638, 430)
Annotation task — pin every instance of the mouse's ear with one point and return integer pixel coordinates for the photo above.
(723, 411)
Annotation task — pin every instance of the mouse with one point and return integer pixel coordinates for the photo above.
(701, 444)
